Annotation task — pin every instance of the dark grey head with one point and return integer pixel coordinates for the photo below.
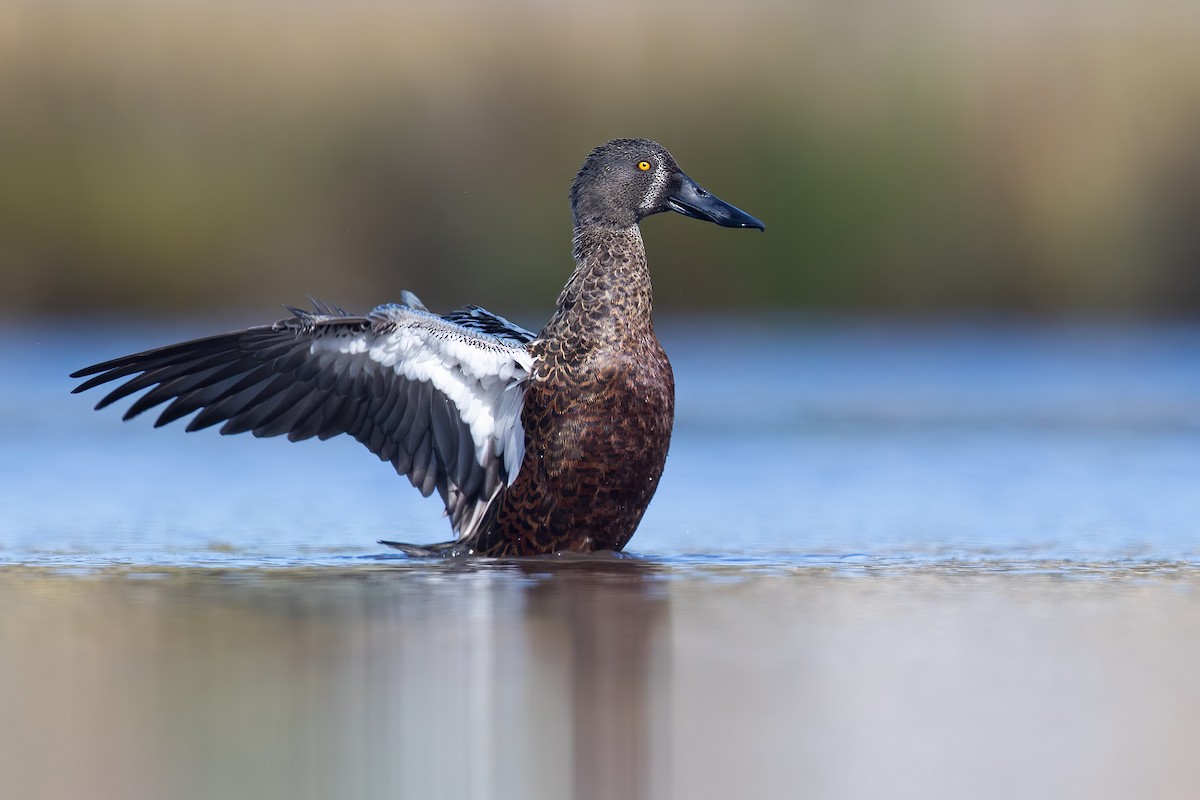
(625, 180)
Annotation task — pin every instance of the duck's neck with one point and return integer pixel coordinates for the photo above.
(608, 298)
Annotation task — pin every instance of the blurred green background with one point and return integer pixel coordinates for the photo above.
(932, 156)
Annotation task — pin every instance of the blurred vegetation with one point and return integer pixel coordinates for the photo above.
(922, 156)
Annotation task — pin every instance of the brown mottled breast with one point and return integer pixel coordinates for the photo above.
(598, 412)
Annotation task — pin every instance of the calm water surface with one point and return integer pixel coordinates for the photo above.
(885, 560)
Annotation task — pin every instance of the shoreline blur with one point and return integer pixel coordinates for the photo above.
(1036, 159)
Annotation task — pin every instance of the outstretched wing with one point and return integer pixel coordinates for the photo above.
(439, 399)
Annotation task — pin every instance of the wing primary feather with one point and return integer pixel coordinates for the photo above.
(185, 384)
(152, 359)
(391, 407)
(263, 406)
(419, 428)
(402, 460)
(200, 368)
(464, 461)
(421, 455)
(276, 415)
(245, 395)
(357, 414)
(310, 424)
(330, 415)
(296, 404)
(409, 408)
(191, 401)
(375, 441)
(444, 429)
(228, 406)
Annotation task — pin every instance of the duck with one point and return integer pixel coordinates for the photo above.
(537, 443)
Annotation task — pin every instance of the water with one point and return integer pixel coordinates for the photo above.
(906, 560)
(944, 441)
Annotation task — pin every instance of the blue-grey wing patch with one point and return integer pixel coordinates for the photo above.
(485, 322)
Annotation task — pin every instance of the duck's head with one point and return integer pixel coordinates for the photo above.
(625, 180)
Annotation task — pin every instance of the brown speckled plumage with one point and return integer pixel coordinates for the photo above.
(598, 411)
(536, 444)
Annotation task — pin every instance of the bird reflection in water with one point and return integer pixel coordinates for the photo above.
(603, 620)
(534, 678)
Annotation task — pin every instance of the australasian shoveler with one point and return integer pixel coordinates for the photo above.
(537, 443)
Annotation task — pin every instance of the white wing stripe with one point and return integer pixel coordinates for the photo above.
(482, 377)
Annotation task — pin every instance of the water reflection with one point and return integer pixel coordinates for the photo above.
(462, 680)
(603, 622)
(601, 679)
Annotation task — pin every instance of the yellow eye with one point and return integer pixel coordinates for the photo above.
(644, 166)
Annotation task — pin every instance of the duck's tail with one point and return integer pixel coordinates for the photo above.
(453, 549)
